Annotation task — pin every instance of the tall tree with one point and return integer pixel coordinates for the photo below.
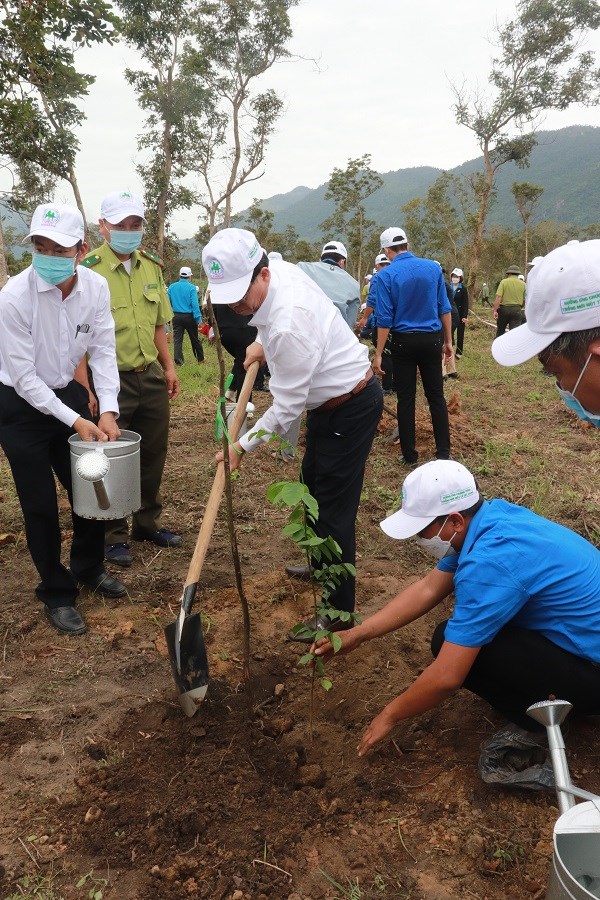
(173, 98)
(39, 84)
(539, 67)
(349, 188)
(438, 224)
(526, 197)
(234, 43)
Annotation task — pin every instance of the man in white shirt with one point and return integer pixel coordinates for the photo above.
(316, 363)
(53, 314)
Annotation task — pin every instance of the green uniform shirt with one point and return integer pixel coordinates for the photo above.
(139, 303)
(512, 291)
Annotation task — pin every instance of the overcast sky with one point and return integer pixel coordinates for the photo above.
(382, 86)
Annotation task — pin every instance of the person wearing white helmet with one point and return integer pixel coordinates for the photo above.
(183, 297)
(563, 325)
(411, 304)
(333, 279)
(526, 617)
(54, 314)
(316, 363)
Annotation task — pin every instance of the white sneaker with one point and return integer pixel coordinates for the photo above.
(230, 395)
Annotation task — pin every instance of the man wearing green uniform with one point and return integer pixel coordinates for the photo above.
(509, 302)
(140, 308)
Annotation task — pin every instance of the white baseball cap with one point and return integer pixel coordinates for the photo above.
(437, 488)
(229, 259)
(119, 205)
(535, 261)
(185, 272)
(393, 237)
(563, 295)
(457, 271)
(274, 254)
(59, 222)
(334, 247)
(381, 260)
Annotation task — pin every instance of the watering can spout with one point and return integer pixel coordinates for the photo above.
(550, 712)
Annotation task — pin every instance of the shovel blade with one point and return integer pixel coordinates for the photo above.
(191, 675)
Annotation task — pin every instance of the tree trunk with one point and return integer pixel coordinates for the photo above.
(161, 206)
(72, 179)
(526, 247)
(477, 243)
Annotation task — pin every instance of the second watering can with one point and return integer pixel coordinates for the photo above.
(106, 476)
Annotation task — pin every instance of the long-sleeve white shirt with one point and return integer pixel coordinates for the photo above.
(43, 338)
(312, 354)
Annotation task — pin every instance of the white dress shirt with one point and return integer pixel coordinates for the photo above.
(312, 354)
(43, 338)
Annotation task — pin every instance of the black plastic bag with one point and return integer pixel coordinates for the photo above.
(514, 757)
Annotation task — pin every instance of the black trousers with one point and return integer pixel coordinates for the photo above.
(338, 443)
(420, 350)
(144, 407)
(460, 336)
(521, 667)
(236, 341)
(508, 317)
(185, 323)
(36, 446)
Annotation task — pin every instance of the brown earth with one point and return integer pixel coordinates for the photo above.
(109, 791)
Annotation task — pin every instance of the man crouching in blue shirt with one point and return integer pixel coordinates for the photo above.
(526, 620)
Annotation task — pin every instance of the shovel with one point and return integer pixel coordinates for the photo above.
(185, 640)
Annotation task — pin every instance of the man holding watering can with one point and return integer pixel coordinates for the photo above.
(53, 314)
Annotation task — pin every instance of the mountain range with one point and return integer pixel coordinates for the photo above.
(566, 163)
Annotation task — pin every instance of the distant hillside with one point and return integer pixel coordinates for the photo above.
(566, 163)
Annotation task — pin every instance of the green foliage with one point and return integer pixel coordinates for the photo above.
(538, 67)
(349, 188)
(324, 554)
(40, 86)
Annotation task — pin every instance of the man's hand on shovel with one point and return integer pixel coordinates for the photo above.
(236, 453)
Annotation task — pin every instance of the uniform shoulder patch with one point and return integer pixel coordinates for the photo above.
(152, 256)
(90, 261)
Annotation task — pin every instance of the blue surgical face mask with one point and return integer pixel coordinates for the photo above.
(53, 269)
(125, 242)
(571, 401)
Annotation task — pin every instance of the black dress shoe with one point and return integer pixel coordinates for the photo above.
(162, 538)
(304, 632)
(65, 619)
(104, 584)
(302, 572)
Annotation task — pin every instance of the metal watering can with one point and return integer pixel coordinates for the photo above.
(106, 476)
(575, 873)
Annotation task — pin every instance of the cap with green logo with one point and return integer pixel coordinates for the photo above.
(438, 488)
(119, 205)
(229, 259)
(59, 222)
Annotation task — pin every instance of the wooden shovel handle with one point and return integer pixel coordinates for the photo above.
(216, 493)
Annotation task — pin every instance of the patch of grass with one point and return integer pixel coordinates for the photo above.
(377, 887)
(35, 887)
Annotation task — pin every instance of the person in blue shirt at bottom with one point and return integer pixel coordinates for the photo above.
(186, 315)
(526, 620)
(562, 307)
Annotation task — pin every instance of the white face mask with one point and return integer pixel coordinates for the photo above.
(436, 545)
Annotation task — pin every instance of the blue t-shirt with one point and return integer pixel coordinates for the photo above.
(516, 567)
(184, 298)
(410, 294)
